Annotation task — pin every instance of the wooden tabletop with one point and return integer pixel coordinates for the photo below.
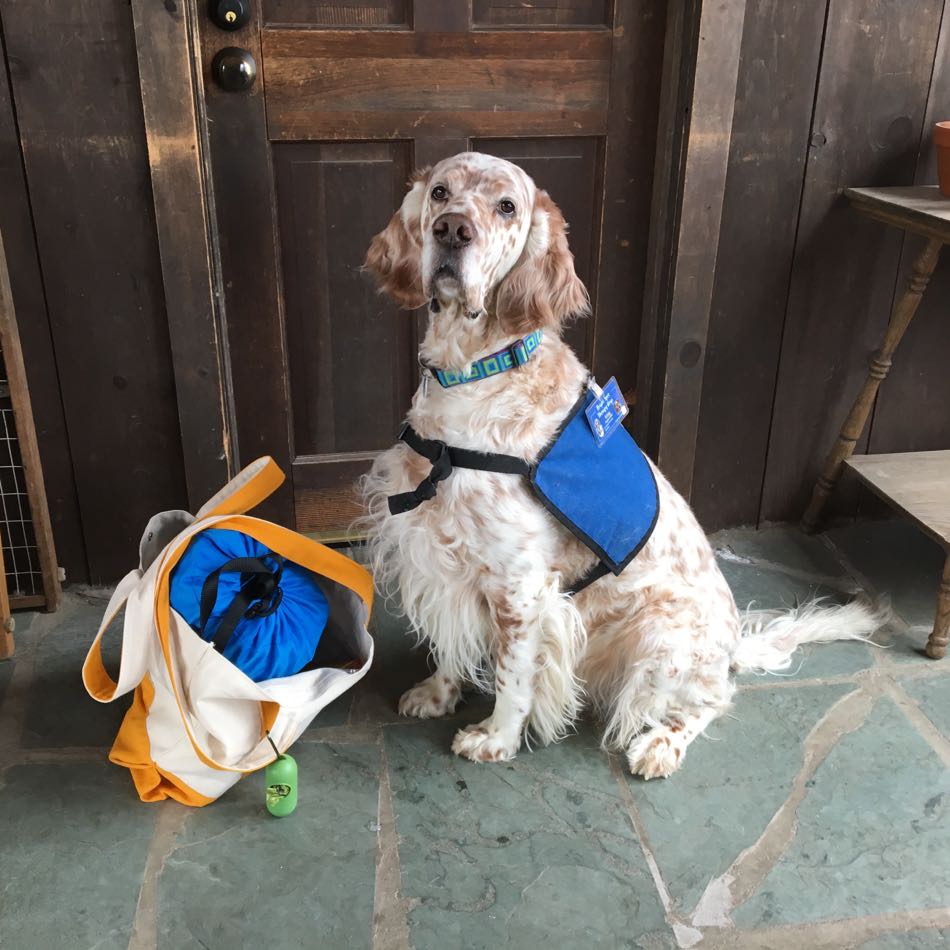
(918, 208)
(916, 483)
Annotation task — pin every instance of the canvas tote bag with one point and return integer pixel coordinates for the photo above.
(197, 724)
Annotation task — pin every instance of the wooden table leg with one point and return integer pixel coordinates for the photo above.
(879, 365)
(937, 644)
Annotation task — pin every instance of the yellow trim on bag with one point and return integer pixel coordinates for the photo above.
(263, 478)
(132, 750)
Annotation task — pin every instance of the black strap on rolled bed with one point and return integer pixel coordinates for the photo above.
(260, 594)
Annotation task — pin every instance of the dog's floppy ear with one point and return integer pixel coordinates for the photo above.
(542, 290)
(395, 254)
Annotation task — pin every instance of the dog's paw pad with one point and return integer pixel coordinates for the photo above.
(429, 700)
(654, 756)
(483, 744)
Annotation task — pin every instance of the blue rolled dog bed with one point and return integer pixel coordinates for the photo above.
(264, 613)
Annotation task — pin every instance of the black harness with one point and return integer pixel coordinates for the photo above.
(444, 459)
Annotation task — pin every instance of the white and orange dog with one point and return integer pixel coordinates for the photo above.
(481, 568)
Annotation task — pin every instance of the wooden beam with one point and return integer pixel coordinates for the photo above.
(6, 618)
(700, 78)
(676, 91)
(26, 281)
(172, 97)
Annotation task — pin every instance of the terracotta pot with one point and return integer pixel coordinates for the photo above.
(942, 141)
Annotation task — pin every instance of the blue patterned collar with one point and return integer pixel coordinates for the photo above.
(512, 356)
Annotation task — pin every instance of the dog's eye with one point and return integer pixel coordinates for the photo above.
(439, 193)
(506, 206)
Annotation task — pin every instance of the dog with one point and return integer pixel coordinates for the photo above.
(482, 570)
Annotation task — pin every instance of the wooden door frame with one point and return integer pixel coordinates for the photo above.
(700, 72)
(172, 87)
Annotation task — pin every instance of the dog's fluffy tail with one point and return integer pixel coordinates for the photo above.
(771, 637)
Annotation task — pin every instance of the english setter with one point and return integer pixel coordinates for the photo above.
(481, 568)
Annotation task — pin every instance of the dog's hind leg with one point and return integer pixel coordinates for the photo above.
(659, 752)
(437, 695)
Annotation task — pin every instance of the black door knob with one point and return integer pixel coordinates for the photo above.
(230, 14)
(234, 69)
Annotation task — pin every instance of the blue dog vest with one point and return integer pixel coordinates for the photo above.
(606, 496)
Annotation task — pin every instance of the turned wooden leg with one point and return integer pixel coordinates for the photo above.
(937, 644)
(879, 365)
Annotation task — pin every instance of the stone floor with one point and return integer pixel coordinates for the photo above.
(815, 816)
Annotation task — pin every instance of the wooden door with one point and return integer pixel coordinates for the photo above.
(310, 162)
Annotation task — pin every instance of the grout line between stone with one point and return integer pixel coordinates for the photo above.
(685, 935)
(918, 719)
(168, 825)
(390, 908)
(723, 894)
(773, 682)
(843, 934)
(825, 580)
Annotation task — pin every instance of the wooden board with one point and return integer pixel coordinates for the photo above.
(917, 208)
(27, 471)
(242, 175)
(916, 483)
(29, 298)
(771, 125)
(6, 619)
(869, 110)
(489, 84)
(679, 351)
(626, 189)
(80, 119)
(535, 13)
(676, 92)
(170, 87)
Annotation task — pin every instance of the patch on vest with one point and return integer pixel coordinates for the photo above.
(606, 495)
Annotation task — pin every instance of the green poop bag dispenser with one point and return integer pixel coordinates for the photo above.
(281, 791)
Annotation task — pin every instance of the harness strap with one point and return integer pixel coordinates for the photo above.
(444, 458)
(260, 594)
(598, 571)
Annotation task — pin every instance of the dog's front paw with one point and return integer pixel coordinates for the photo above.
(433, 697)
(484, 743)
(655, 754)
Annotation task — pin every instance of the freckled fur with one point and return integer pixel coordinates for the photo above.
(479, 569)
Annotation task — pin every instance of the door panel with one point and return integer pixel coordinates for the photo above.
(352, 359)
(540, 13)
(350, 97)
(360, 13)
(393, 84)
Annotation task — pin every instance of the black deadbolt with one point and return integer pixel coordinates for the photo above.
(234, 69)
(230, 14)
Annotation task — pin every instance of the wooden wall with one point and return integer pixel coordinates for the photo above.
(76, 213)
(831, 94)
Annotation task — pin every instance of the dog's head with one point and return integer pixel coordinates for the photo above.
(476, 238)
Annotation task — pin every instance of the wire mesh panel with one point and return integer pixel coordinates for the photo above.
(20, 551)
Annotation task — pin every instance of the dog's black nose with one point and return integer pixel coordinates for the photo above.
(453, 230)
